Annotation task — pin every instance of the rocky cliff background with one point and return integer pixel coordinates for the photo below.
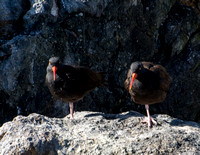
(105, 35)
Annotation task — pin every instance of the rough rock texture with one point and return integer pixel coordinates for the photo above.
(12, 13)
(105, 36)
(98, 133)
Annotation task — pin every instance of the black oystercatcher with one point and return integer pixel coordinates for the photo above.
(147, 84)
(71, 83)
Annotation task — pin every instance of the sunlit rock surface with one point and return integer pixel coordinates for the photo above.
(98, 133)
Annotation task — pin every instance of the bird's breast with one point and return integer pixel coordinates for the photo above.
(137, 85)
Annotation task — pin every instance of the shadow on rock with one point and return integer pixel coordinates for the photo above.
(121, 117)
(181, 123)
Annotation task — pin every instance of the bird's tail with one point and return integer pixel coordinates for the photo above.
(102, 78)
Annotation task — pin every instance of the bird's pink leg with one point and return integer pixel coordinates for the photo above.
(71, 109)
(148, 119)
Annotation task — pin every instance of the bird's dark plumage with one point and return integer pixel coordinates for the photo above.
(150, 85)
(71, 83)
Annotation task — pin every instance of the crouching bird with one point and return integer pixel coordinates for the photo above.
(71, 83)
(147, 83)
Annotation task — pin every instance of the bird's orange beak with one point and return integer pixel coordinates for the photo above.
(54, 69)
(134, 76)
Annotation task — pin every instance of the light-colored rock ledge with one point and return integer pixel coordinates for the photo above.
(98, 133)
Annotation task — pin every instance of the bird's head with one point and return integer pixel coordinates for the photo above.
(135, 69)
(54, 62)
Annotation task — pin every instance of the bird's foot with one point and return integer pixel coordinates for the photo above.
(71, 117)
(148, 120)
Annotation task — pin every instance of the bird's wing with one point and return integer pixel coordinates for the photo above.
(67, 72)
(161, 72)
(78, 73)
(147, 65)
(164, 76)
(88, 76)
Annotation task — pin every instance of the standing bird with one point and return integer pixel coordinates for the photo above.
(147, 83)
(71, 83)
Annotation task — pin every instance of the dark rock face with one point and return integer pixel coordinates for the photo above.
(11, 20)
(105, 36)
